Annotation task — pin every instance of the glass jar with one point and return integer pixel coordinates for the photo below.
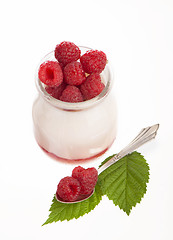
(75, 131)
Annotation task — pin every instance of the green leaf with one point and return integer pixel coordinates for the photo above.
(64, 211)
(125, 182)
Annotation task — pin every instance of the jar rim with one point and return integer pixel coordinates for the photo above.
(79, 105)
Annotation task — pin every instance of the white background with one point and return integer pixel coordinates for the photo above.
(137, 37)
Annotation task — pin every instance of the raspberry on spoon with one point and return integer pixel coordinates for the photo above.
(68, 189)
(86, 177)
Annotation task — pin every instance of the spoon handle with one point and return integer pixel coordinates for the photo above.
(145, 135)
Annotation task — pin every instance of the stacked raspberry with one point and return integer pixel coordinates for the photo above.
(72, 77)
(78, 186)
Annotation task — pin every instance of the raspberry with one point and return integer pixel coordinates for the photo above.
(71, 94)
(93, 61)
(50, 73)
(76, 171)
(92, 86)
(86, 177)
(68, 189)
(74, 74)
(67, 52)
(56, 91)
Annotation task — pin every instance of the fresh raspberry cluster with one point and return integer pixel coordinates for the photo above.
(72, 77)
(78, 186)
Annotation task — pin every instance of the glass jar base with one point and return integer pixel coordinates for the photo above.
(73, 161)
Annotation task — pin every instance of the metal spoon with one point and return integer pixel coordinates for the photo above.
(145, 135)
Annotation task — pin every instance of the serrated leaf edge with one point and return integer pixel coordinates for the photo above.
(147, 180)
(89, 207)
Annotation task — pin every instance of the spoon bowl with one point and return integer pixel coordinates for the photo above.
(77, 201)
